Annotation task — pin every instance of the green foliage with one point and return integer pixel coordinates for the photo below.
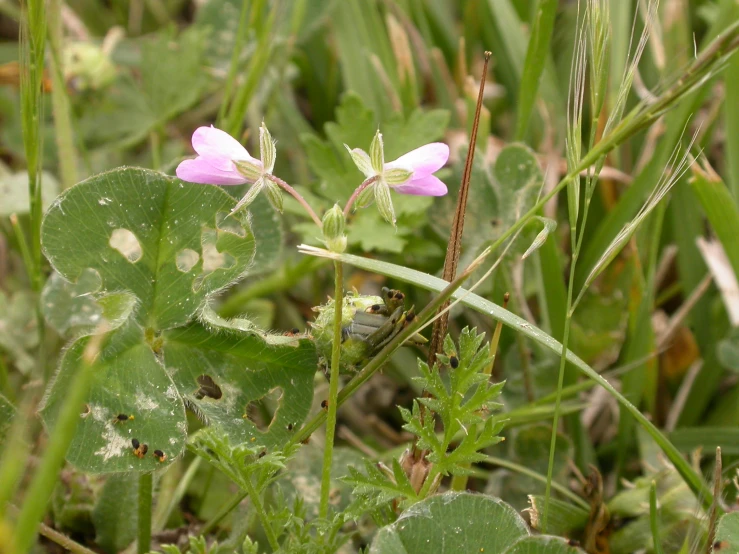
(462, 404)
(171, 80)
(355, 126)
(115, 515)
(452, 522)
(727, 534)
(149, 284)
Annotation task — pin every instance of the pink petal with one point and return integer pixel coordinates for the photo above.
(424, 160)
(219, 146)
(202, 170)
(424, 186)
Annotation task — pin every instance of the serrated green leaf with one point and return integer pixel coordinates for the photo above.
(169, 243)
(451, 523)
(172, 80)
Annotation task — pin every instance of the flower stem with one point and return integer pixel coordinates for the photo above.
(356, 193)
(295, 194)
(333, 390)
(384, 355)
(261, 514)
(144, 522)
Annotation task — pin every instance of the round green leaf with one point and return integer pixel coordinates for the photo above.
(251, 390)
(543, 544)
(452, 523)
(128, 380)
(169, 243)
(727, 534)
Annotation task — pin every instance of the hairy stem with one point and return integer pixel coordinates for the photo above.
(295, 194)
(333, 390)
(256, 501)
(356, 193)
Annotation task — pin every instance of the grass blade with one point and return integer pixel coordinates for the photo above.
(471, 300)
(533, 67)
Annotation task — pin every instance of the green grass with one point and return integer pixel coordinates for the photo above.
(605, 97)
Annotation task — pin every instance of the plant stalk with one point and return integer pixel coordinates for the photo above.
(295, 194)
(333, 390)
(259, 508)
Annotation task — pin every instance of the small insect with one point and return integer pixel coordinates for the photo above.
(290, 426)
(208, 388)
(368, 324)
(139, 449)
(293, 332)
(454, 361)
(120, 418)
(720, 545)
(262, 454)
(159, 455)
(324, 404)
(573, 542)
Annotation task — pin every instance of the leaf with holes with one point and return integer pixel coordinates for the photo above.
(169, 243)
(450, 523)
(250, 386)
(151, 249)
(131, 397)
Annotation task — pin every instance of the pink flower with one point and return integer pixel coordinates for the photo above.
(221, 160)
(412, 173)
(422, 162)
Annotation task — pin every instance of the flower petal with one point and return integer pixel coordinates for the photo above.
(424, 160)
(425, 186)
(219, 145)
(202, 170)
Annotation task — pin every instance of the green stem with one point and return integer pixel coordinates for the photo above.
(295, 194)
(162, 516)
(384, 355)
(63, 540)
(653, 523)
(45, 478)
(67, 154)
(241, 33)
(144, 522)
(259, 508)
(333, 390)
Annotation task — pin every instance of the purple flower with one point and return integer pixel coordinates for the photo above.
(412, 173)
(422, 162)
(221, 160)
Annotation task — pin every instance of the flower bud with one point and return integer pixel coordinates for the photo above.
(333, 223)
(333, 229)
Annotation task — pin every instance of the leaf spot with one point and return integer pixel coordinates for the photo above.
(186, 259)
(127, 244)
(258, 411)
